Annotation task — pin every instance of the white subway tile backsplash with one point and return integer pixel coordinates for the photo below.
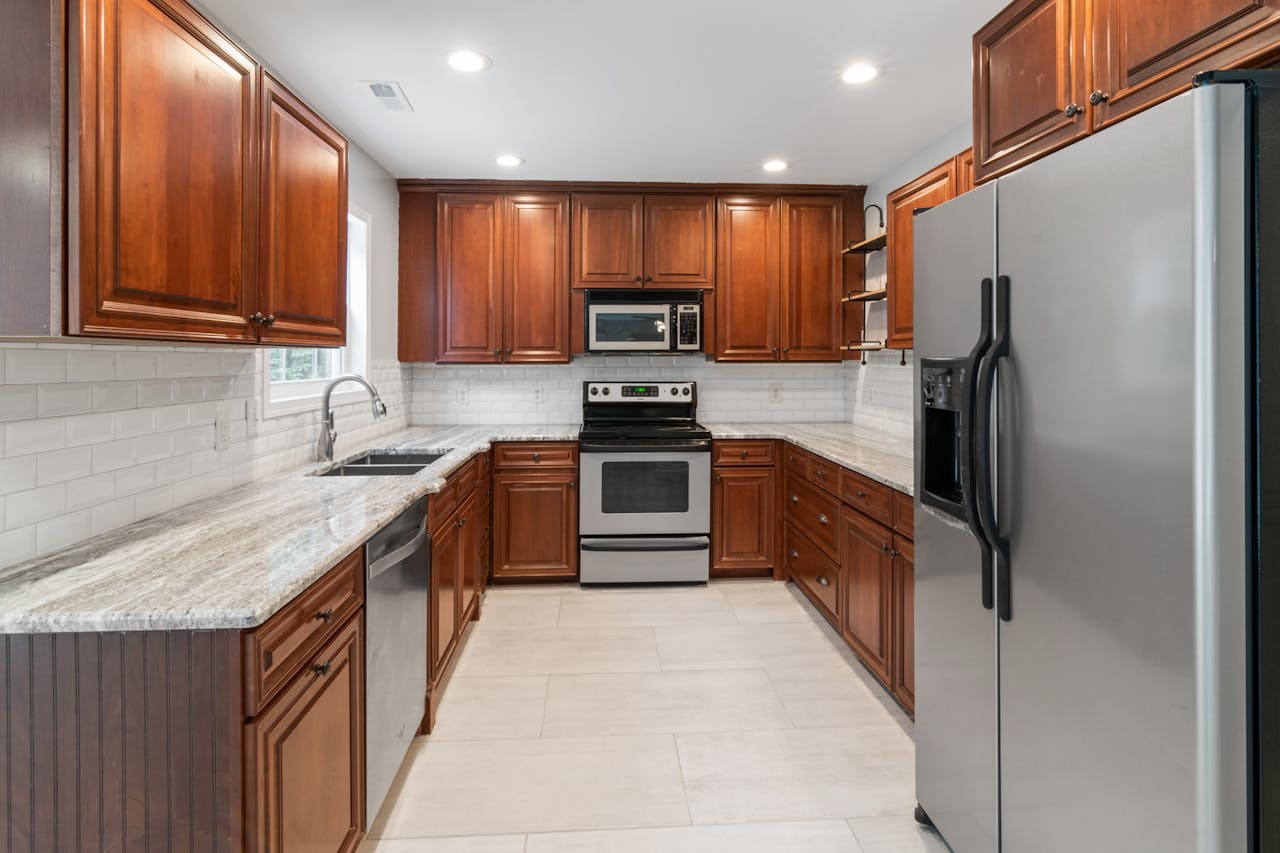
(34, 436)
(17, 474)
(32, 366)
(90, 429)
(62, 531)
(62, 465)
(90, 366)
(34, 505)
(113, 455)
(17, 545)
(114, 396)
(17, 402)
(111, 515)
(71, 398)
(90, 491)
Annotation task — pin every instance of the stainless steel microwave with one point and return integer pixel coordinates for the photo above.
(644, 321)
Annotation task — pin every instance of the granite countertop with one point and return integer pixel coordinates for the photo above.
(885, 457)
(232, 560)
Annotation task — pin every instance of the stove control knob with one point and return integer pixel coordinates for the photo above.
(674, 391)
(594, 390)
(686, 391)
(605, 391)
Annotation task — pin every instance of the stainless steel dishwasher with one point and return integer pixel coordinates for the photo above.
(397, 580)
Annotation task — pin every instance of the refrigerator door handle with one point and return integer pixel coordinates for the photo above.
(967, 451)
(984, 476)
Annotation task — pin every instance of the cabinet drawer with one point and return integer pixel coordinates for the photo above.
(823, 474)
(442, 504)
(867, 496)
(742, 453)
(904, 515)
(812, 510)
(277, 649)
(816, 573)
(536, 454)
(795, 459)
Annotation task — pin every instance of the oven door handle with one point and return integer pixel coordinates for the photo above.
(696, 445)
(684, 543)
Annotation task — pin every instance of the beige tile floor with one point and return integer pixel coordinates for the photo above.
(719, 719)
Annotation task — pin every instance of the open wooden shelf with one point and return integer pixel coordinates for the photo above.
(867, 296)
(871, 244)
(864, 346)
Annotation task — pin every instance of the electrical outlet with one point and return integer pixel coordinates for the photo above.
(775, 392)
(462, 396)
(222, 429)
(539, 395)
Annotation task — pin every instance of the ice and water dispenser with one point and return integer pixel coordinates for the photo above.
(944, 386)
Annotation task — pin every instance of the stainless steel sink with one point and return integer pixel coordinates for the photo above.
(384, 463)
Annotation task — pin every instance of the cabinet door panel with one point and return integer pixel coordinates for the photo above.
(904, 645)
(748, 295)
(742, 520)
(468, 281)
(868, 579)
(535, 520)
(302, 260)
(964, 172)
(1029, 66)
(305, 755)
(811, 274)
(444, 594)
(469, 533)
(536, 292)
(162, 204)
(680, 241)
(607, 238)
(929, 190)
(1151, 50)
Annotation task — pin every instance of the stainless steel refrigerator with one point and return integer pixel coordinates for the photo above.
(1097, 468)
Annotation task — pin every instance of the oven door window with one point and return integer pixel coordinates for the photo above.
(624, 326)
(644, 487)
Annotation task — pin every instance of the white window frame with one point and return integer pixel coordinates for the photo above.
(306, 396)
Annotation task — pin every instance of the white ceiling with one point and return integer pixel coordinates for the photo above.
(648, 90)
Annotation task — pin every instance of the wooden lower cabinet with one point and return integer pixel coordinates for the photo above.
(866, 555)
(470, 530)
(304, 755)
(904, 627)
(444, 594)
(743, 521)
(535, 524)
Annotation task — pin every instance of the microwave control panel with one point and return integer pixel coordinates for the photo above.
(688, 320)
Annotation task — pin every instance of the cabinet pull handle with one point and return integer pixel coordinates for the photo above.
(887, 548)
(537, 456)
(256, 317)
(895, 553)
(822, 581)
(744, 454)
(322, 669)
(270, 319)
(638, 278)
(572, 484)
(795, 555)
(1098, 96)
(648, 278)
(1073, 110)
(325, 615)
(860, 493)
(795, 499)
(820, 473)
(822, 519)
(718, 478)
(786, 349)
(508, 352)
(461, 521)
(497, 353)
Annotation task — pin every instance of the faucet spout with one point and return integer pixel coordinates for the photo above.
(328, 428)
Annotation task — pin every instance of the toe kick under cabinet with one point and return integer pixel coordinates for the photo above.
(219, 740)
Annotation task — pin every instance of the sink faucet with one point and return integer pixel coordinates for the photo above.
(328, 432)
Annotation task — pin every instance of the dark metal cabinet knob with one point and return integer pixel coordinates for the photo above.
(270, 319)
(325, 615)
(508, 352)
(860, 493)
(886, 548)
(795, 555)
(322, 669)
(638, 278)
(497, 353)
(820, 473)
(719, 478)
(537, 456)
(648, 278)
(822, 581)
(573, 484)
(822, 518)
(744, 454)
(1073, 110)
(256, 317)
(1098, 96)
(795, 499)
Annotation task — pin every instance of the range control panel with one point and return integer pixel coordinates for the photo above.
(637, 392)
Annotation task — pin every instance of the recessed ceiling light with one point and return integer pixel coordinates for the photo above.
(859, 72)
(775, 165)
(509, 160)
(469, 61)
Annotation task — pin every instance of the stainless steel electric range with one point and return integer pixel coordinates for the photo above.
(645, 502)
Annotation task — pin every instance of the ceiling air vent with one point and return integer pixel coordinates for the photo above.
(390, 95)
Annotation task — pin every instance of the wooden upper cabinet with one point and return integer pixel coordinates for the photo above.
(679, 241)
(748, 293)
(302, 284)
(163, 197)
(964, 172)
(1030, 89)
(469, 278)
(929, 190)
(811, 278)
(608, 236)
(535, 292)
(1149, 50)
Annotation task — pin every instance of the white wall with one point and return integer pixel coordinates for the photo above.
(97, 435)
